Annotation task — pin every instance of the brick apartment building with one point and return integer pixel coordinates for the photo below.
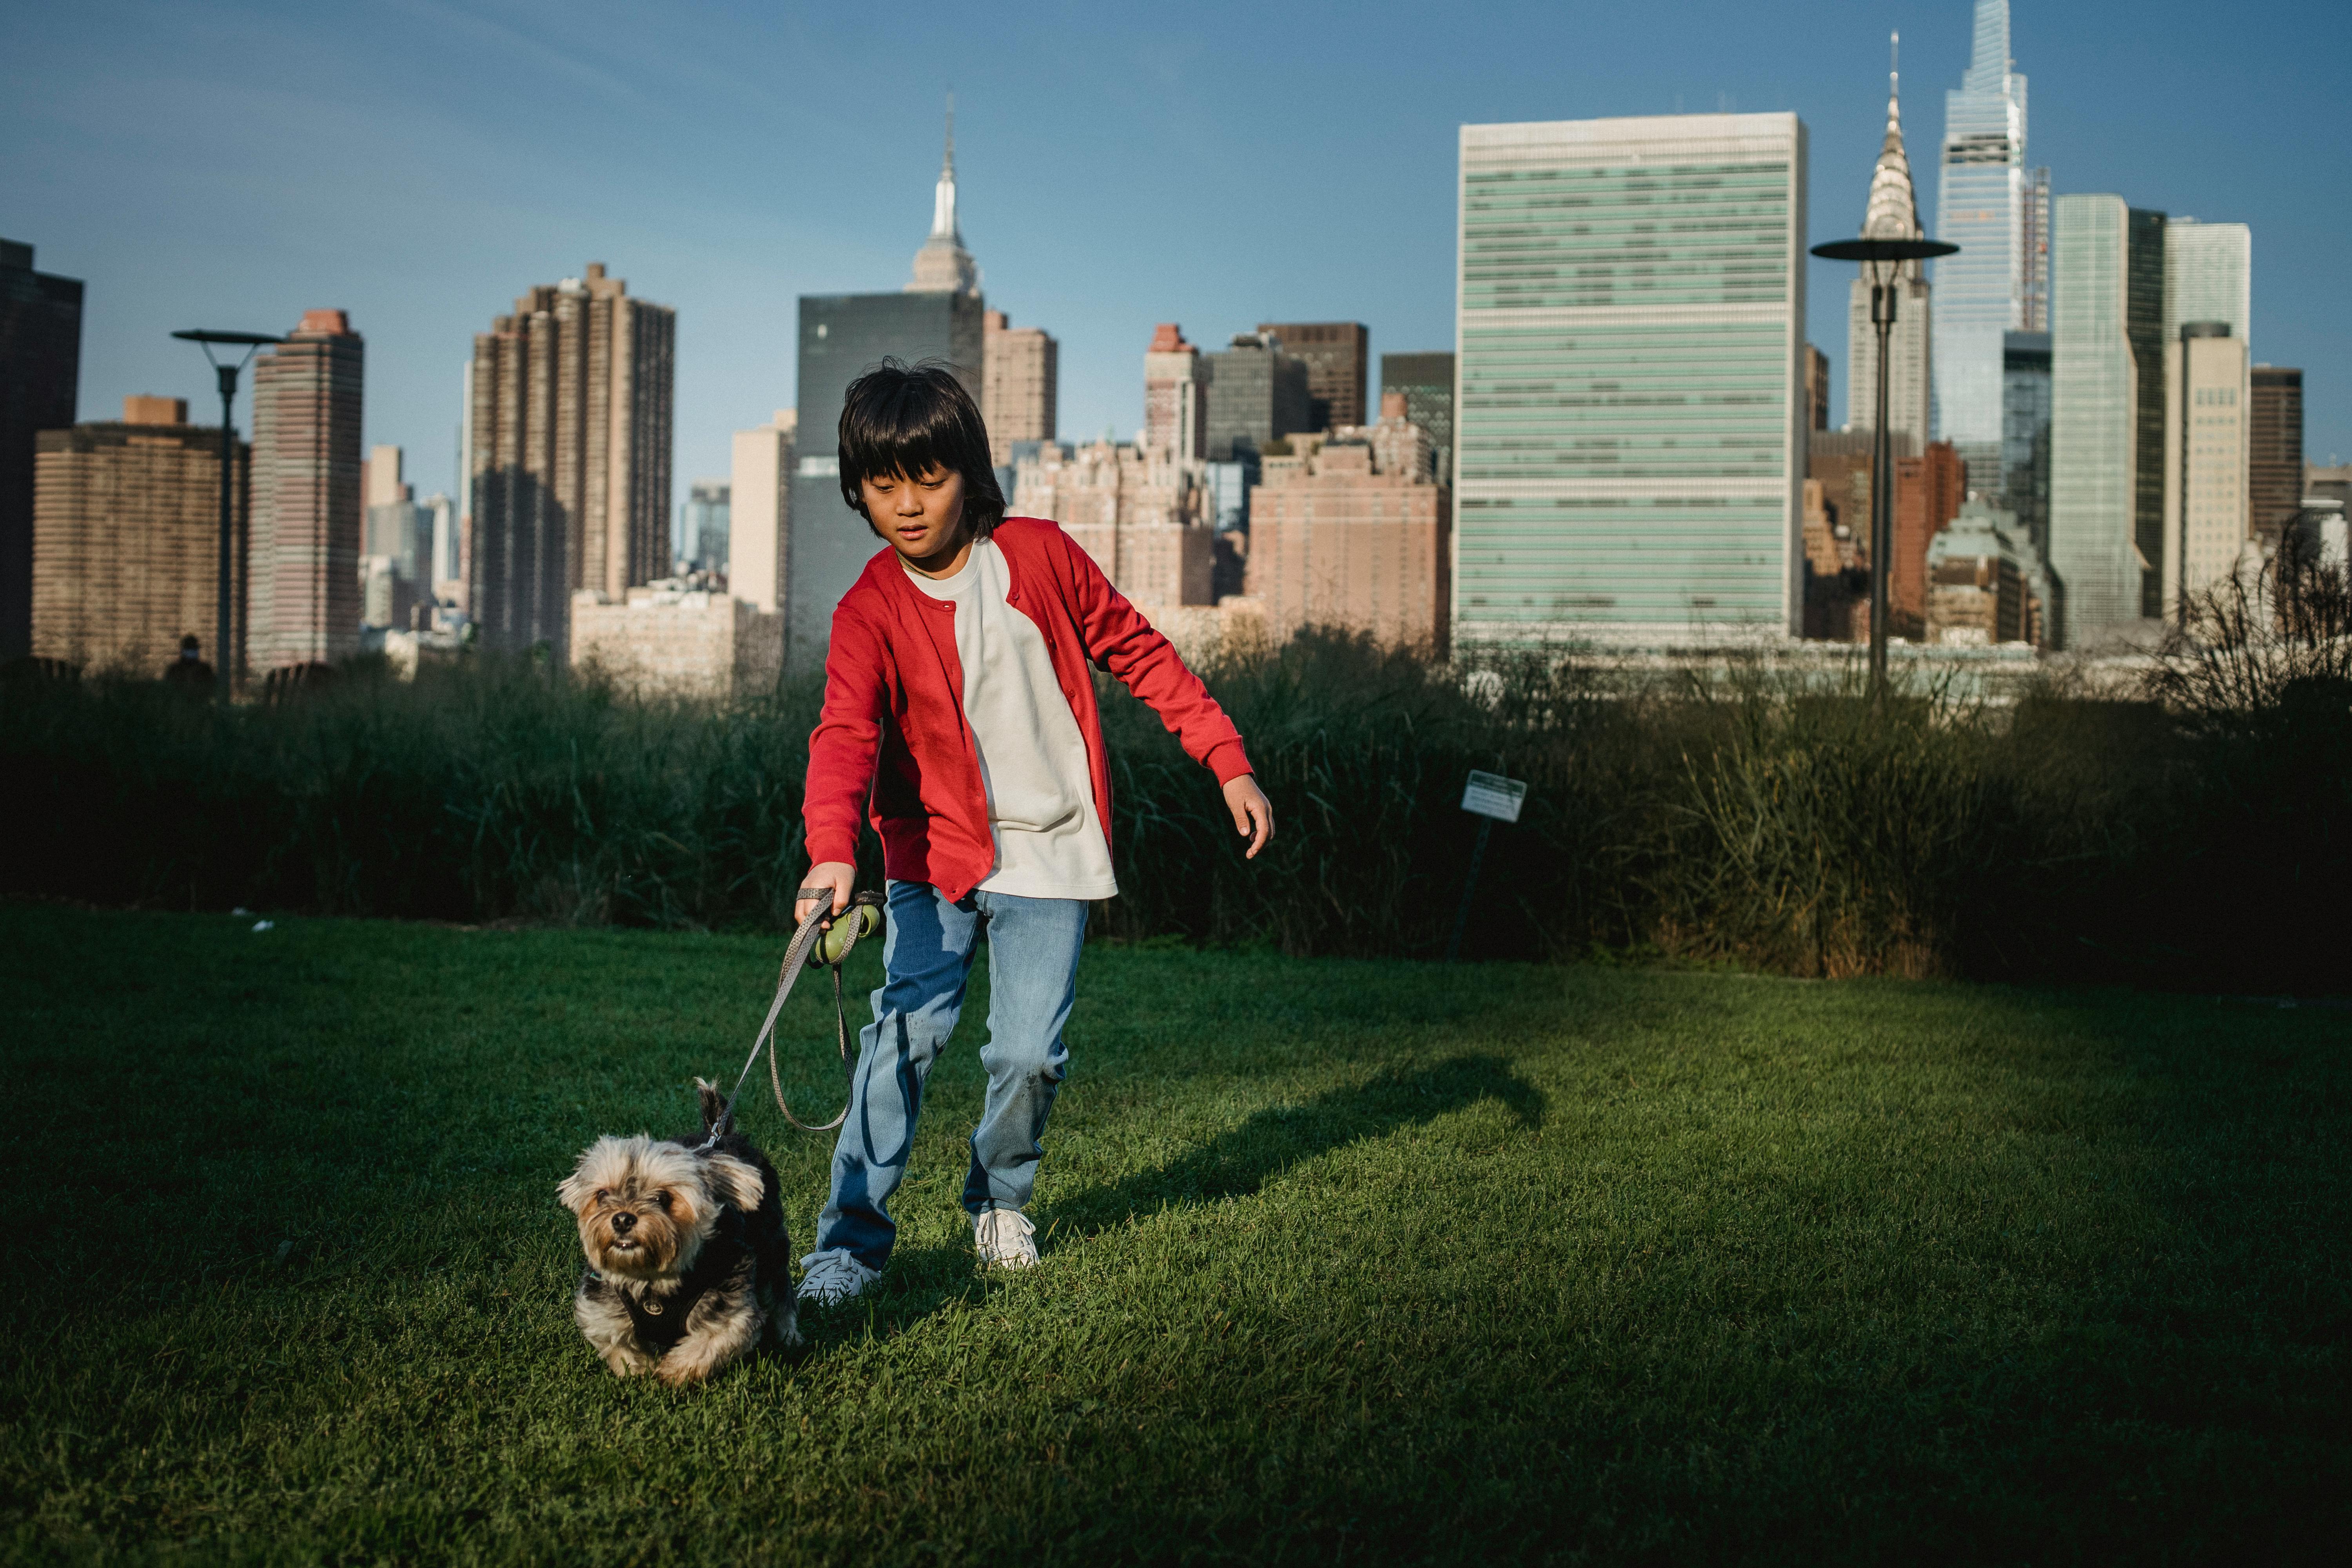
(1020, 385)
(571, 409)
(1928, 490)
(1354, 531)
(1143, 517)
(126, 539)
(304, 584)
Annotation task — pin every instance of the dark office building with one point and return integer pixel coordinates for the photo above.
(1257, 391)
(2025, 365)
(841, 336)
(1427, 382)
(1338, 356)
(40, 373)
(1817, 389)
(2274, 467)
(2144, 328)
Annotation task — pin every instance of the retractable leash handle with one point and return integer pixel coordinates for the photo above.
(837, 939)
(822, 931)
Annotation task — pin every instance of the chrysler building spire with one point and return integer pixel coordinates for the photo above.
(1893, 211)
(943, 266)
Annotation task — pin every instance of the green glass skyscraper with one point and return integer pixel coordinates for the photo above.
(1630, 328)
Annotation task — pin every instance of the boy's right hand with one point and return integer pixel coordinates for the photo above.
(838, 875)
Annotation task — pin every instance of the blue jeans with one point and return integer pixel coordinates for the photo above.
(1032, 969)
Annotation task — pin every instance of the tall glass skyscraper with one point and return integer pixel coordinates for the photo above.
(2208, 276)
(1630, 327)
(2025, 434)
(2095, 401)
(1984, 204)
(841, 335)
(2144, 322)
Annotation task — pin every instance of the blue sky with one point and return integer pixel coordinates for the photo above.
(420, 162)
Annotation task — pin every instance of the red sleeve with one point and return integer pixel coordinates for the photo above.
(1122, 641)
(848, 736)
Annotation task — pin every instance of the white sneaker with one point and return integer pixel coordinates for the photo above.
(833, 1277)
(1005, 1239)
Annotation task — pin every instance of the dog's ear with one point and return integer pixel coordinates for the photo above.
(715, 1117)
(576, 1192)
(604, 1163)
(737, 1181)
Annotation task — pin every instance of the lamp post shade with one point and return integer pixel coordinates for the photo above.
(1884, 249)
(202, 335)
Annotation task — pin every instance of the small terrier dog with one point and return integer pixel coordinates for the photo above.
(688, 1255)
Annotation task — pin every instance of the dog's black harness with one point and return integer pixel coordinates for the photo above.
(660, 1321)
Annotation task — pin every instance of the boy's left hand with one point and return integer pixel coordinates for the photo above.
(1252, 813)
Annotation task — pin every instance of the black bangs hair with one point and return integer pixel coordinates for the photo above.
(901, 420)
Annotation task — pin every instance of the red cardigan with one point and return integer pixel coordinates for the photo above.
(893, 685)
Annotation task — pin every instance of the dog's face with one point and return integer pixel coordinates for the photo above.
(645, 1208)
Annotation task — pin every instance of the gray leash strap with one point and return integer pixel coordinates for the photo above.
(804, 946)
(840, 1022)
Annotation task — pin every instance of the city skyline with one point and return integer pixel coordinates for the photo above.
(129, 171)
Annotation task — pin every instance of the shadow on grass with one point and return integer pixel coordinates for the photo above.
(1241, 1161)
(1236, 1163)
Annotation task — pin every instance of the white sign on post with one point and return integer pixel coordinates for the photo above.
(1492, 794)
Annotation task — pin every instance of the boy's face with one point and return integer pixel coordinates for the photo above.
(920, 518)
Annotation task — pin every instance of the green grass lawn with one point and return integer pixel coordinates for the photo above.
(1342, 1260)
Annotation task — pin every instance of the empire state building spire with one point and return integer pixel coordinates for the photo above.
(943, 266)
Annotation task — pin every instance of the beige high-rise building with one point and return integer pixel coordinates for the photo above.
(1144, 517)
(126, 539)
(304, 588)
(1020, 384)
(381, 480)
(570, 442)
(1175, 402)
(1891, 213)
(1354, 531)
(2207, 515)
(760, 520)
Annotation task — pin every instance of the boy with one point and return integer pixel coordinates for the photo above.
(957, 695)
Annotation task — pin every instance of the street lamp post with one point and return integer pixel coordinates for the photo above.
(224, 655)
(1882, 261)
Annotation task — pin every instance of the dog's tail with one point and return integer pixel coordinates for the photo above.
(717, 1120)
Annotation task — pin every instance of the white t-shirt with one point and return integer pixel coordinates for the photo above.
(1032, 759)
